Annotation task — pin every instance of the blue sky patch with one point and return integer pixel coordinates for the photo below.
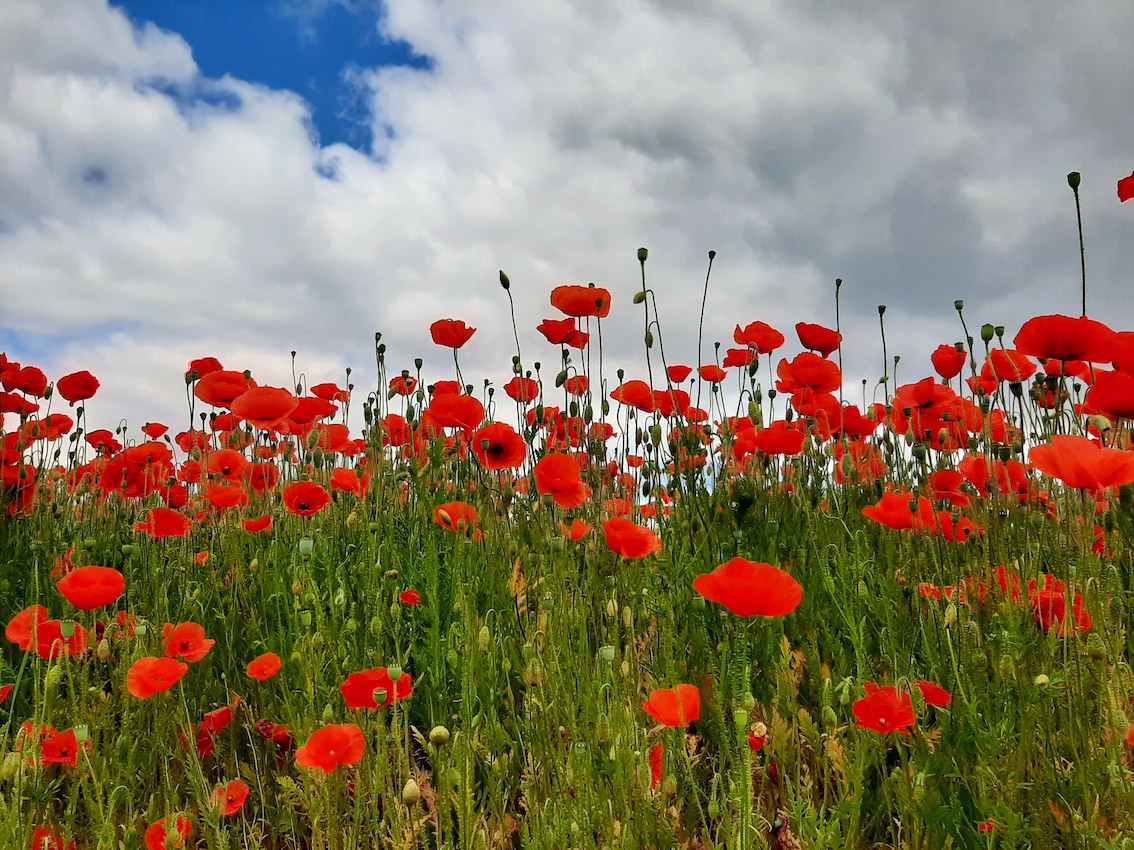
(273, 44)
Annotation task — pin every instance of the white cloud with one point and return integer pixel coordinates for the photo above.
(148, 215)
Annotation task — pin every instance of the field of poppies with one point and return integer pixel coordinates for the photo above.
(709, 605)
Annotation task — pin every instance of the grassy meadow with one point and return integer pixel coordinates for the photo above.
(715, 607)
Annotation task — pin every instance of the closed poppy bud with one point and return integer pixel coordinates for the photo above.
(639, 297)
(1042, 680)
(439, 736)
(1073, 180)
(504, 282)
(411, 793)
(642, 254)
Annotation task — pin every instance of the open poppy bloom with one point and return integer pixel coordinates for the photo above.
(1083, 464)
(265, 666)
(165, 522)
(749, 589)
(456, 516)
(230, 798)
(451, 333)
(187, 641)
(948, 360)
(88, 588)
(1126, 189)
(61, 748)
(675, 707)
(760, 336)
(265, 407)
(630, 540)
(1065, 338)
(559, 476)
(885, 710)
(149, 676)
(581, 301)
(375, 689)
(78, 386)
(934, 694)
(305, 498)
(161, 836)
(636, 394)
(818, 338)
(657, 759)
(332, 746)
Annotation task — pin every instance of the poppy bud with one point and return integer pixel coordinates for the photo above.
(649, 339)
(950, 615)
(642, 254)
(881, 309)
(102, 653)
(1042, 680)
(1073, 180)
(411, 794)
(395, 612)
(714, 809)
(829, 716)
(627, 618)
(504, 282)
(483, 639)
(317, 642)
(639, 297)
(54, 672)
(452, 658)
(439, 736)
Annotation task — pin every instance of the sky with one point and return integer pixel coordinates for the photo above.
(244, 180)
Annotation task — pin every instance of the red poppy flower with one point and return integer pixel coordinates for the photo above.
(375, 689)
(934, 694)
(50, 643)
(402, 385)
(629, 540)
(62, 748)
(264, 667)
(451, 333)
(1049, 604)
(410, 597)
(780, 438)
(149, 676)
(265, 407)
(330, 392)
(759, 335)
(948, 361)
(675, 707)
(757, 742)
(455, 516)
(347, 481)
(188, 641)
(750, 589)
(224, 497)
(78, 386)
(712, 373)
(255, 526)
(808, 371)
(1007, 365)
(563, 332)
(457, 411)
(577, 385)
(305, 498)
(162, 837)
(46, 838)
(523, 390)
(893, 511)
(635, 394)
(577, 530)
(1126, 188)
(230, 798)
(885, 710)
(5, 692)
(498, 446)
(165, 522)
(1113, 393)
(23, 626)
(28, 380)
(221, 388)
(155, 430)
(657, 757)
(88, 588)
(332, 746)
(581, 301)
(678, 374)
(739, 357)
(1065, 338)
(1083, 464)
(202, 366)
(559, 476)
(818, 338)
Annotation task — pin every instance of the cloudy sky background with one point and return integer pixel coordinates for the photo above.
(298, 174)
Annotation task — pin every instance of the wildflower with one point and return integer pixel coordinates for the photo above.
(456, 411)
(577, 530)
(818, 338)
(155, 430)
(581, 301)
(164, 522)
(674, 707)
(1064, 338)
(305, 498)
(759, 335)
(751, 589)
(948, 361)
(46, 838)
(149, 676)
(332, 746)
(264, 667)
(88, 588)
(1050, 608)
(934, 694)
(230, 798)
(635, 394)
(221, 388)
(78, 386)
(629, 540)
(885, 710)
(498, 446)
(523, 390)
(657, 755)
(365, 689)
(188, 641)
(893, 511)
(62, 748)
(451, 333)
(255, 526)
(265, 407)
(1007, 364)
(559, 476)
(563, 332)
(162, 837)
(455, 516)
(410, 597)
(1083, 464)
(402, 385)
(1126, 188)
